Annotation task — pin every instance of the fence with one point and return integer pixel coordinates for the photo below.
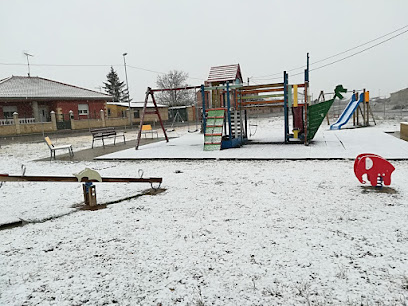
(6, 121)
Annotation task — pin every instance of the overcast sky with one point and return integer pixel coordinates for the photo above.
(264, 37)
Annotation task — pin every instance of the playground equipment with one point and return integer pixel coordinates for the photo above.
(354, 108)
(227, 126)
(377, 169)
(87, 177)
(225, 105)
(150, 92)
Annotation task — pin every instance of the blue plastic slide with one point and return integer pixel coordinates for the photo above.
(348, 111)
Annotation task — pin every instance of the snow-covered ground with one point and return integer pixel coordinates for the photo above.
(222, 233)
(267, 142)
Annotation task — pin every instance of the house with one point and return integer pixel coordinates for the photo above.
(120, 109)
(36, 97)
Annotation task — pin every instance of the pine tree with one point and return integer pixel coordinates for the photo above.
(114, 86)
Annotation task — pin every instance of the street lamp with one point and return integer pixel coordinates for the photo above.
(127, 89)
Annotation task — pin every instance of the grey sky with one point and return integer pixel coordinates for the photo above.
(264, 37)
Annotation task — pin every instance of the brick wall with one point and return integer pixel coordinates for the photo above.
(94, 107)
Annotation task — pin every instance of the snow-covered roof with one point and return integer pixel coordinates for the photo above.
(17, 87)
(225, 73)
(136, 104)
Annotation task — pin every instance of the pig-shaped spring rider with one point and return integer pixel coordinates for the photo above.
(378, 169)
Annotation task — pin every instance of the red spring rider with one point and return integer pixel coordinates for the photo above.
(377, 168)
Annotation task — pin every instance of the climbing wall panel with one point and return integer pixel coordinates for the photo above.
(213, 131)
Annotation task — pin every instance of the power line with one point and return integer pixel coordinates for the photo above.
(322, 60)
(89, 65)
(266, 77)
(361, 51)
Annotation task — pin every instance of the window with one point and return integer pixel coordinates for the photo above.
(136, 114)
(83, 109)
(109, 112)
(8, 111)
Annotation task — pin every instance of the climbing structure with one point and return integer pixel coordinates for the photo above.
(213, 132)
(229, 130)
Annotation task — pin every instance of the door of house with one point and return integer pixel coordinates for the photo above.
(43, 114)
(63, 122)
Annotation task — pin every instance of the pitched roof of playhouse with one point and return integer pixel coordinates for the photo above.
(18, 87)
(224, 73)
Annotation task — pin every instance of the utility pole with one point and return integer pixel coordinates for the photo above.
(127, 89)
(28, 62)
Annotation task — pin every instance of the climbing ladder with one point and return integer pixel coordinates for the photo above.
(213, 131)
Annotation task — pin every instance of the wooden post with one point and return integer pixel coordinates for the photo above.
(306, 119)
(364, 109)
(306, 98)
(89, 194)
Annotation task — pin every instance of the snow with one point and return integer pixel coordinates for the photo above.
(223, 232)
(328, 144)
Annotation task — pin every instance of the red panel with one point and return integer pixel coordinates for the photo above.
(298, 118)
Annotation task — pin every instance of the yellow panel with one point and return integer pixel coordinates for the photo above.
(366, 96)
(295, 95)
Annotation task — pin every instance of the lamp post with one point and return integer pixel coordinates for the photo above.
(127, 89)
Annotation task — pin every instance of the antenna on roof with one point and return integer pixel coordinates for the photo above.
(28, 62)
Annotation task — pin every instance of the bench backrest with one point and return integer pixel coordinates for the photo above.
(48, 141)
(104, 131)
(146, 127)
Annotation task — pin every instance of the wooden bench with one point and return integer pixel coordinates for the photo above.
(54, 148)
(147, 129)
(104, 133)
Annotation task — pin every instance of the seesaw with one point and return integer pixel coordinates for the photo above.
(87, 177)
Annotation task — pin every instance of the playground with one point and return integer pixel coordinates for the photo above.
(268, 144)
(247, 228)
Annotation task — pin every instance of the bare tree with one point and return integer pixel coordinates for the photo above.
(174, 79)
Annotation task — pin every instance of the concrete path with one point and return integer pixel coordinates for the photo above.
(98, 150)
